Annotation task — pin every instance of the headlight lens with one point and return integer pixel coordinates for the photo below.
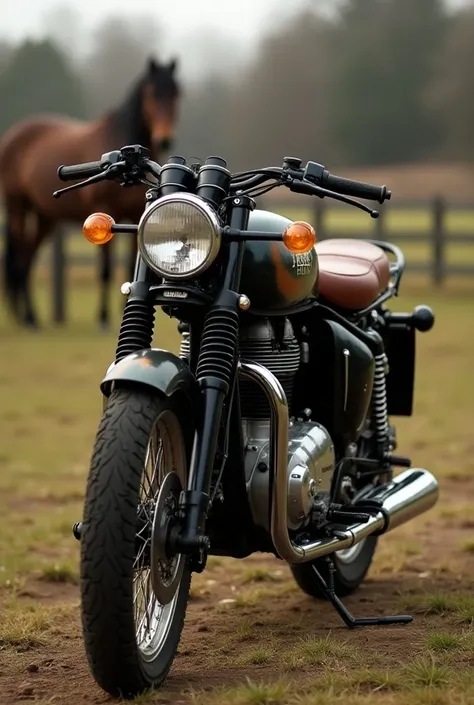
(179, 236)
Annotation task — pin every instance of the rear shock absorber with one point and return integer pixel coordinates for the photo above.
(137, 328)
(379, 403)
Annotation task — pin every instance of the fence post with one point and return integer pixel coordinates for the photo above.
(319, 212)
(380, 224)
(438, 240)
(58, 289)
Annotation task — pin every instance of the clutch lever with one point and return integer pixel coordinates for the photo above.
(309, 189)
(113, 171)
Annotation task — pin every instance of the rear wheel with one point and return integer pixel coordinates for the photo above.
(350, 568)
(133, 592)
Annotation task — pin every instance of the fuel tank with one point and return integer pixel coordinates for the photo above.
(273, 278)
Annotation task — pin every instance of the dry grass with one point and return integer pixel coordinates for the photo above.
(317, 651)
(460, 606)
(50, 408)
(26, 625)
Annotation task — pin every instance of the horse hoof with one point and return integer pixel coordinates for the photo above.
(33, 326)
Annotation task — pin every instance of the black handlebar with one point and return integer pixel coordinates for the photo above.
(213, 181)
(317, 174)
(79, 171)
(357, 189)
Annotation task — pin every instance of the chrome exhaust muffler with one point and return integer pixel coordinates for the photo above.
(407, 496)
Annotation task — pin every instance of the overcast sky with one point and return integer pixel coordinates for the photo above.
(237, 22)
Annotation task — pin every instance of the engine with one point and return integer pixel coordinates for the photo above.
(310, 450)
(311, 460)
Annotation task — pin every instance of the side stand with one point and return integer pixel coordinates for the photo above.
(350, 621)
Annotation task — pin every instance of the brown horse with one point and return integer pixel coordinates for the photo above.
(30, 154)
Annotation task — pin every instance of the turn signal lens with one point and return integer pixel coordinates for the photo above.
(299, 237)
(97, 228)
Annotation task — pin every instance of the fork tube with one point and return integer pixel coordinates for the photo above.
(215, 374)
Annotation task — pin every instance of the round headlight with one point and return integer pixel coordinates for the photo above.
(179, 236)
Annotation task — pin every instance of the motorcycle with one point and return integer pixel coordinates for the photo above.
(269, 432)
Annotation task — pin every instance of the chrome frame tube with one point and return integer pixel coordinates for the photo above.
(408, 495)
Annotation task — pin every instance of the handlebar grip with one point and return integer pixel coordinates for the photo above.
(357, 189)
(79, 171)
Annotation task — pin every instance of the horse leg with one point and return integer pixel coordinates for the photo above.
(105, 277)
(15, 236)
(44, 226)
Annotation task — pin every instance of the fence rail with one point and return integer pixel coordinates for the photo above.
(437, 237)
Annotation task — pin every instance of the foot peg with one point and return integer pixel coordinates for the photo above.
(346, 516)
(349, 620)
(399, 461)
(77, 530)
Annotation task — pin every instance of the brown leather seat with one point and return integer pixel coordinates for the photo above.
(352, 273)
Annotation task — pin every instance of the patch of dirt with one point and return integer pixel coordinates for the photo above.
(217, 636)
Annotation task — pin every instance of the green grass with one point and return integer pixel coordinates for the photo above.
(51, 405)
(440, 641)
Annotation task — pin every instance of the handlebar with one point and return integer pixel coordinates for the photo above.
(357, 189)
(317, 174)
(79, 171)
(130, 165)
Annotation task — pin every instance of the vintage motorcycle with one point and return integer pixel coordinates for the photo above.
(269, 432)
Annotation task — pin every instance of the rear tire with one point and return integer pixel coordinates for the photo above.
(349, 570)
(116, 545)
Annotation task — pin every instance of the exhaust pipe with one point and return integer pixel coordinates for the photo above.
(407, 496)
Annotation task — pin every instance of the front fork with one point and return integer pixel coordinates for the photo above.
(215, 374)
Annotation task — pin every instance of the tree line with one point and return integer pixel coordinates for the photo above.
(376, 82)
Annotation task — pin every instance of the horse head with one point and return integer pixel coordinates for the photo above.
(159, 100)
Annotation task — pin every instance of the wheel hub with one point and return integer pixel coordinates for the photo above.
(166, 566)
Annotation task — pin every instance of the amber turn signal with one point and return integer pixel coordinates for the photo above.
(299, 237)
(97, 228)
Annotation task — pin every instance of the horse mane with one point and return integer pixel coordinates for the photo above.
(127, 121)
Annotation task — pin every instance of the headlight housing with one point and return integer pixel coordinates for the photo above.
(179, 236)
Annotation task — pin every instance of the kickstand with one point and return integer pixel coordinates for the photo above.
(350, 621)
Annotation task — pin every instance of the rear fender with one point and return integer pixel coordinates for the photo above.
(157, 369)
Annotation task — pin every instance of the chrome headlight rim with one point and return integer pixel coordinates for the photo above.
(206, 210)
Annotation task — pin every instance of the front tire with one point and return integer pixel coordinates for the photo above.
(131, 638)
(350, 568)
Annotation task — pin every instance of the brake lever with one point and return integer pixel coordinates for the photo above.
(110, 173)
(309, 189)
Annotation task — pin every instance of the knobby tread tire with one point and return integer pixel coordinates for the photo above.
(108, 547)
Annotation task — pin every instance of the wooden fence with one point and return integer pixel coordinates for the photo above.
(437, 237)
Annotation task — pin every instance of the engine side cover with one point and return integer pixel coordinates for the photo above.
(311, 465)
(310, 471)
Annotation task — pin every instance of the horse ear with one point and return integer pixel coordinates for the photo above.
(173, 64)
(152, 65)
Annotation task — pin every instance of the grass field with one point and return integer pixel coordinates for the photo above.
(251, 638)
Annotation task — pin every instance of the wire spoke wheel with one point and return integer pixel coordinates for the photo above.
(134, 588)
(155, 585)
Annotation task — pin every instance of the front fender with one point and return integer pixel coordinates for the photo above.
(155, 368)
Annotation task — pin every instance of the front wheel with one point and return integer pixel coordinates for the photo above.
(350, 568)
(133, 593)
